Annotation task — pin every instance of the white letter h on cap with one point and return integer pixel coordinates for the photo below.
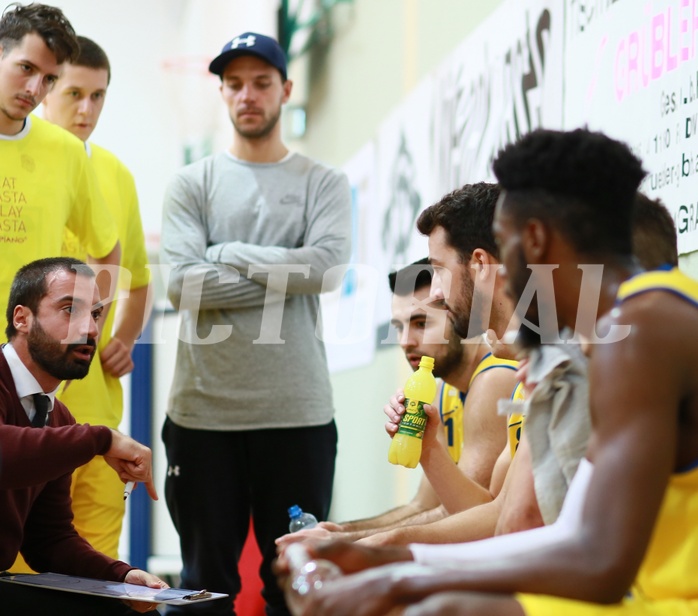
(248, 41)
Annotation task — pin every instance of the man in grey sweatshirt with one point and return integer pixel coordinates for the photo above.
(253, 235)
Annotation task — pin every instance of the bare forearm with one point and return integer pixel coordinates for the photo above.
(476, 523)
(107, 268)
(456, 491)
(132, 314)
(424, 501)
(384, 520)
(380, 535)
(553, 572)
(383, 588)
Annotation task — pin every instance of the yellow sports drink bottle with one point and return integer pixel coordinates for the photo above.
(420, 389)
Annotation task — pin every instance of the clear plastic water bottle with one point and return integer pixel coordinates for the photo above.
(306, 576)
(299, 519)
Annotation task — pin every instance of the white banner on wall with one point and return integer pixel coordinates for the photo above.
(404, 189)
(347, 313)
(503, 81)
(631, 71)
(500, 83)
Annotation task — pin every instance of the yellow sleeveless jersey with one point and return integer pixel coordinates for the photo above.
(515, 423)
(668, 569)
(666, 583)
(451, 403)
(664, 279)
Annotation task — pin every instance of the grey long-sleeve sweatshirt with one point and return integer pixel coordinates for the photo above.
(250, 247)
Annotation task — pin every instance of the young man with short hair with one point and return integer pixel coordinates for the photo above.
(253, 235)
(75, 103)
(45, 176)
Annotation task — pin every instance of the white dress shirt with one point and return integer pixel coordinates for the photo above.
(25, 383)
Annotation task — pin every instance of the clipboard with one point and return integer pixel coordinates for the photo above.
(113, 590)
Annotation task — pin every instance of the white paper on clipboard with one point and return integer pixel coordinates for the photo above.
(114, 590)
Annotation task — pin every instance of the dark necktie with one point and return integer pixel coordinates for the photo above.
(41, 404)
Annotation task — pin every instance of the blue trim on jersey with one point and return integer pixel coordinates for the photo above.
(514, 368)
(689, 467)
(485, 356)
(665, 267)
(441, 395)
(441, 400)
(674, 292)
(497, 366)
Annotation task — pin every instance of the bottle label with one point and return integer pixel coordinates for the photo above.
(414, 420)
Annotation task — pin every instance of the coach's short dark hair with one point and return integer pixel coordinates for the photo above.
(29, 286)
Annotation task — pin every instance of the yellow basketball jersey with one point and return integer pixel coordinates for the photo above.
(668, 568)
(666, 584)
(515, 423)
(451, 409)
(516, 420)
(452, 401)
(664, 279)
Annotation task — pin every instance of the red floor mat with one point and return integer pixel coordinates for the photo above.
(249, 601)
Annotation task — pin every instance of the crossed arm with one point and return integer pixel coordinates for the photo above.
(237, 274)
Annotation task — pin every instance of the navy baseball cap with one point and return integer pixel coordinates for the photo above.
(250, 44)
